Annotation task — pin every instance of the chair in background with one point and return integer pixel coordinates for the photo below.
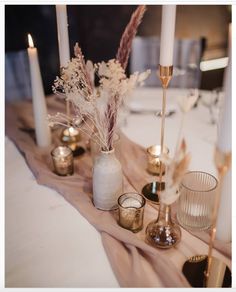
(186, 60)
(17, 76)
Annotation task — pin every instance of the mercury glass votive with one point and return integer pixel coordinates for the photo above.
(153, 159)
(131, 211)
(62, 157)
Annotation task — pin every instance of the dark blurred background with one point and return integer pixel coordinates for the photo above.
(98, 29)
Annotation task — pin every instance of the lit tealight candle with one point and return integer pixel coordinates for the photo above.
(71, 136)
(131, 203)
(73, 131)
(154, 153)
(42, 131)
(63, 160)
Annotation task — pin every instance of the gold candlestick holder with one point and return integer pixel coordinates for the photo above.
(70, 136)
(151, 190)
(162, 232)
(206, 270)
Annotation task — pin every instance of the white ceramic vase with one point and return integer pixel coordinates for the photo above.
(107, 180)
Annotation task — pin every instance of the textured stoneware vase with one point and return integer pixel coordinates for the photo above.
(107, 181)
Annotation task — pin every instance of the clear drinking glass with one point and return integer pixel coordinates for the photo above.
(212, 101)
(131, 211)
(195, 204)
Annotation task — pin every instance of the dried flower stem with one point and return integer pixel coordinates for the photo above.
(180, 133)
(130, 31)
(97, 108)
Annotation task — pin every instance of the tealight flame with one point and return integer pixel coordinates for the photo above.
(73, 131)
(30, 40)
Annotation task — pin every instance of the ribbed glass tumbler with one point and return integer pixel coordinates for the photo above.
(195, 204)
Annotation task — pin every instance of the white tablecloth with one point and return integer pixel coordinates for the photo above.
(48, 243)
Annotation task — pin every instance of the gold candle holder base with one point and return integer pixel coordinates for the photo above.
(151, 191)
(165, 75)
(194, 271)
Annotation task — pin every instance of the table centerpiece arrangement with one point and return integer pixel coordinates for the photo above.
(96, 93)
(96, 108)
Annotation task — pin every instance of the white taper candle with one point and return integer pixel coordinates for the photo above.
(42, 131)
(62, 33)
(224, 143)
(224, 127)
(167, 35)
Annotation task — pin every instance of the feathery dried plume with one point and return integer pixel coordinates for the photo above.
(181, 163)
(78, 54)
(186, 103)
(111, 117)
(130, 31)
(176, 169)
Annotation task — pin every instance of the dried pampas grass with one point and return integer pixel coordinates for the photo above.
(130, 31)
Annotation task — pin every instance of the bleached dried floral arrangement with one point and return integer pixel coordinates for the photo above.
(97, 107)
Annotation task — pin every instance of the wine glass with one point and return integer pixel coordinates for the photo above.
(212, 102)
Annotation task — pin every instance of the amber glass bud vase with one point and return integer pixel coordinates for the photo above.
(162, 232)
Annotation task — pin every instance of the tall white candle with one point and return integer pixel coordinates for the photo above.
(42, 131)
(224, 143)
(167, 35)
(225, 121)
(62, 33)
(224, 217)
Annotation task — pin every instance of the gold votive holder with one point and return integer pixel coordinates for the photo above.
(131, 211)
(154, 165)
(152, 190)
(62, 157)
(70, 137)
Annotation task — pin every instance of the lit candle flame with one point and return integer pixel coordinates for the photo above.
(30, 40)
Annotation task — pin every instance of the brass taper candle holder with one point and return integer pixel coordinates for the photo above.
(163, 233)
(70, 136)
(150, 191)
(206, 270)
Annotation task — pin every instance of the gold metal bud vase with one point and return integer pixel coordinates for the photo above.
(162, 232)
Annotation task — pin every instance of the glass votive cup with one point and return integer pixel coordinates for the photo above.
(154, 165)
(195, 203)
(95, 148)
(62, 157)
(131, 211)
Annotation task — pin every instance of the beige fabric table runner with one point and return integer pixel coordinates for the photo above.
(134, 263)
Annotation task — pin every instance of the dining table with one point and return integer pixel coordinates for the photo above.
(49, 243)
